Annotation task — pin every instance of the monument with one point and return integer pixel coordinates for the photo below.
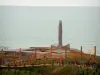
(60, 34)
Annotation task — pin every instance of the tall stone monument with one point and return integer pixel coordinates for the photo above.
(60, 34)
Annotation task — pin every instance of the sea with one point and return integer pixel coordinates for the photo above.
(28, 26)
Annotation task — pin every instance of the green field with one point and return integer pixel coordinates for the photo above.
(51, 70)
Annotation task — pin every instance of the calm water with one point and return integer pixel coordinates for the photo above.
(38, 26)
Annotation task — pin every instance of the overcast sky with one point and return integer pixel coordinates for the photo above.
(51, 2)
(38, 26)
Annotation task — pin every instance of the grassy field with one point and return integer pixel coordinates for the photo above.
(69, 69)
(51, 70)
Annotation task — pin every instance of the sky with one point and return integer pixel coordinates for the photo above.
(51, 2)
(27, 26)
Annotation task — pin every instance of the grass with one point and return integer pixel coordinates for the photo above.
(55, 70)
(51, 70)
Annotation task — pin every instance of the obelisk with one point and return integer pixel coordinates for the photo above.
(60, 34)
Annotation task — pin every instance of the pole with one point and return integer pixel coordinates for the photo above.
(35, 54)
(51, 54)
(81, 53)
(60, 60)
(67, 47)
(94, 53)
(65, 55)
(20, 56)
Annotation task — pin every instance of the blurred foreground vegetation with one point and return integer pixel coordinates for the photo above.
(51, 70)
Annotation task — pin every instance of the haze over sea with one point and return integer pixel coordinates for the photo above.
(24, 27)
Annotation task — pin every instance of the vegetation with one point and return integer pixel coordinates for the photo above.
(51, 70)
(67, 68)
